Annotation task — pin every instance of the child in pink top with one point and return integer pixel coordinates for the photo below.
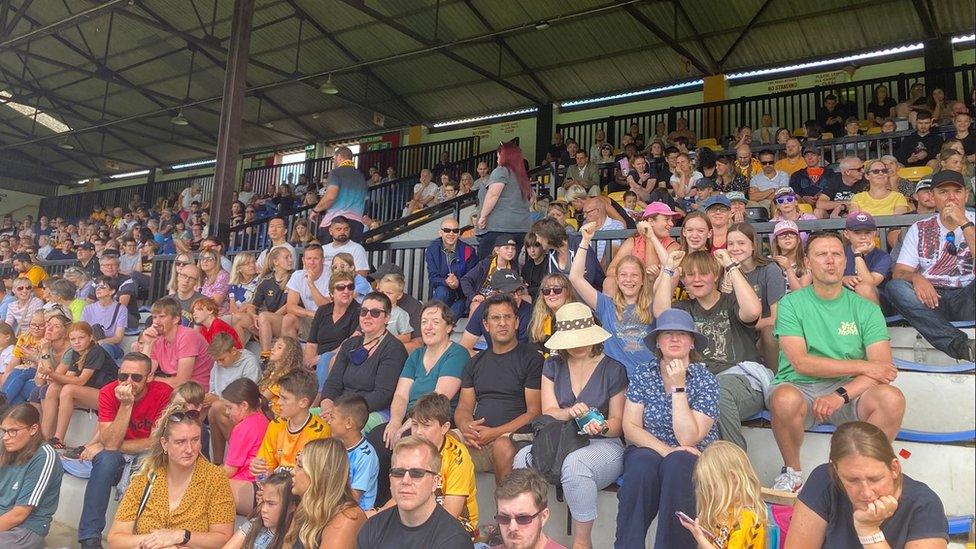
(243, 404)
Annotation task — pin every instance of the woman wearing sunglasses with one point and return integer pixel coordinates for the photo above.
(182, 260)
(328, 515)
(30, 479)
(554, 292)
(879, 199)
(368, 363)
(215, 281)
(333, 323)
(177, 498)
(24, 305)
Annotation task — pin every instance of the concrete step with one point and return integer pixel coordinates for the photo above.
(938, 403)
(946, 468)
(72, 498)
(905, 340)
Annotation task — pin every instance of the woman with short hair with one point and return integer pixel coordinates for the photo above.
(30, 480)
(177, 498)
(861, 498)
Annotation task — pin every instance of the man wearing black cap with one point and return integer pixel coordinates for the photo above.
(806, 182)
(85, 253)
(932, 282)
(503, 281)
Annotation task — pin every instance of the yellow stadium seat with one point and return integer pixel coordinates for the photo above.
(617, 197)
(806, 208)
(707, 142)
(873, 131)
(865, 124)
(800, 132)
(826, 135)
(716, 148)
(914, 174)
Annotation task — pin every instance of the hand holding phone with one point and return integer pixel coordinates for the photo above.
(692, 526)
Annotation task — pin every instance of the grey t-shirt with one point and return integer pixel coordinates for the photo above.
(246, 366)
(609, 378)
(511, 211)
(769, 282)
(920, 514)
(730, 340)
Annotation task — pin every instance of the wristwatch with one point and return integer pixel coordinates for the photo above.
(876, 537)
(46, 356)
(186, 537)
(733, 265)
(859, 254)
(966, 225)
(843, 394)
(677, 390)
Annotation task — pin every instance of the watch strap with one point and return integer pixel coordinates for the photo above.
(186, 537)
(876, 537)
(966, 225)
(677, 390)
(843, 394)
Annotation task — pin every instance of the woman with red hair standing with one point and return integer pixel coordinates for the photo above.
(505, 209)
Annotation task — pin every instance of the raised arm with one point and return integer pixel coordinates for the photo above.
(587, 293)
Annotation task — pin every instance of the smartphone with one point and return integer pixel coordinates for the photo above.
(685, 518)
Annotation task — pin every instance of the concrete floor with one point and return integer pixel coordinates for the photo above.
(61, 536)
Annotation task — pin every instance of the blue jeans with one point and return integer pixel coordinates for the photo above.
(935, 325)
(113, 351)
(451, 298)
(655, 486)
(322, 368)
(19, 385)
(106, 472)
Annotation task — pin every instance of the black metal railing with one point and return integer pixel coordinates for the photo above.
(253, 236)
(789, 109)
(79, 205)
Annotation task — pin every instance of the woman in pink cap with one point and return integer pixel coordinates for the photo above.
(651, 242)
(788, 253)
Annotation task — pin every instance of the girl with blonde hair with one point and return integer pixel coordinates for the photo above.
(554, 292)
(268, 307)
(328, 515)
(729, 501)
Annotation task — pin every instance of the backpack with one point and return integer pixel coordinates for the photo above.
(553, 441)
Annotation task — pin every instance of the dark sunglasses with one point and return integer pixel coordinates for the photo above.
(180, 417)
(452, 231)
(523, 520)
(951, 244)
(767, 162)
(416, 473)
(554, 290)
(375, 313)
(134, 377)
(786, 199)
(344, 287)
(183, 263)
(881, 171)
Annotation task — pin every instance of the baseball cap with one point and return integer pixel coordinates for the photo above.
(658, 208)
(947, 176)
(22, 257)
(785, 226)
(385, 269)
(505, 240)
(923, 184)
(783, 191)
(717, 200)
(705, 183)
(860, 221)
(506, 280)
(736, 196)
(813, 150)
(85, 246)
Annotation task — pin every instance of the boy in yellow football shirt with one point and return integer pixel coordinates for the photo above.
(293, 428)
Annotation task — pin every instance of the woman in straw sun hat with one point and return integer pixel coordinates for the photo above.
(581, 383)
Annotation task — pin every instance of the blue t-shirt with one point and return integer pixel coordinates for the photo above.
(476, 324)
(878, 262)
(36, 483)
(647, 389)
(351, 199)
(451, 363)
(7, 300)
(626, 343)
(364, 468)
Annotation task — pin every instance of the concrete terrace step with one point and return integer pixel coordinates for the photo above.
(904, 341)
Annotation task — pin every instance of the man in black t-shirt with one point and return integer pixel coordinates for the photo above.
(922, 146)
(417, 520)
(503, 385)
(836, 190)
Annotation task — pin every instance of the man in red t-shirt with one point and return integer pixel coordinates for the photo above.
(127, 410)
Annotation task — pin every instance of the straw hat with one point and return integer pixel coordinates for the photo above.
(575, 327)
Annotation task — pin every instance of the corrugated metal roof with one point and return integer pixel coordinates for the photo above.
(408, 76)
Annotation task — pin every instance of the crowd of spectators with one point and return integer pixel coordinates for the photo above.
(302, 387)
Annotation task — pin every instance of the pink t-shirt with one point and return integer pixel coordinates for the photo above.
(245, 439)
(187, 343)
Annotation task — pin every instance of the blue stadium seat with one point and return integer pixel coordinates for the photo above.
(905, 434)
(959, 525)
(957, 323)
(909, 366)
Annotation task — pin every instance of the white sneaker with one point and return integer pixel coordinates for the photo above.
(789, 480)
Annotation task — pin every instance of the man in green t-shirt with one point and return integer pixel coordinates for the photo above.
(835, 361)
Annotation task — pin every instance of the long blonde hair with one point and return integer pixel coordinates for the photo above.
(541, 313)
(190, 392)
(269, 264)
(326, 463)
(642, 308)
(725, 485)
(235, 268)
(172, 277)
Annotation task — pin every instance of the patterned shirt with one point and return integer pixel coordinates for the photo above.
(926, 248)
(647, 389)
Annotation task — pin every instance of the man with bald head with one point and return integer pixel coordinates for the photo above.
(448, 259)
(595, 210)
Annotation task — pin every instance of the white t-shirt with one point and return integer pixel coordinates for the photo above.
(399, 322)
(297, 283)
(610, 224)
(264, 255)
(924, 249)
(7, 355)
(245, 196)
(763, 183)
(359, 256)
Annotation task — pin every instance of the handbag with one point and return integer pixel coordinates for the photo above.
(553, 441)
(144, 500)
(98, 331)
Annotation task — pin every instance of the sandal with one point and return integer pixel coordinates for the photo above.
(56, 443)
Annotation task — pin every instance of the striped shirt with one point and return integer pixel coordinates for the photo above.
(36, 484)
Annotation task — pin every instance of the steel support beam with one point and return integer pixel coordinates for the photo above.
(231, 114)
(672, 43)
(69, 21)
(927, 18)
(360, 5)
(21, 11)
(745, 31)
(709, 58)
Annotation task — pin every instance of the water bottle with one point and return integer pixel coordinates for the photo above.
(919, 350)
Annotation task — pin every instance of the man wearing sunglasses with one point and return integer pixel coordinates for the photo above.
(932, 282)
(763, 185)
(837, 190)
(448, 259)
(417, 520)
(127, 410)
(522, 503)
